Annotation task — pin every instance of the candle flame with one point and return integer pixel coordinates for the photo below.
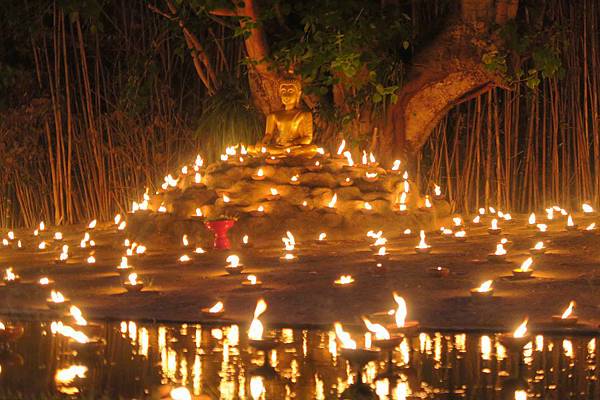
(57, 297)
(521, 330)
(185, 241)
(531, 219)
(340, 149)
(274, 192)
(379, 330)
(322, 236)
(77, 316)
(344, 337)
(132, 278)
(570, 221)
(252, 279)
(260, 172)
(367, 206)
(184, 258)
(344, 280)
(256, 327)
(485, 286)
(591, 227)
(587, 208)
(494, 225)
(539, 245)
(567, 313)
(348, 156)
(422, 243)
(217, 308)
(401, 311)
(245, 239)
(233, 260)
(332, 202)
(396, 165)
(526, 264)
(92, 224)
(382, 251)
(437, 190)
(500, 250)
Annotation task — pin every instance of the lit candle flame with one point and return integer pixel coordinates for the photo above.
(539, 245)
(422, 243)
(567, 313)
(367, 206)
(217, 308)
(531, 219)
(526, 264)
(494, 224)
(591, 227)
(184, 258)
(379, 330)
(382, 251)
(500, 250)
(92, 224)
(233, 260)
(401, 311)
(570, 221)
(587, 208)
(485, 287)
(437, 190)
(322, 236)
(332, 202)
(521, 330)
(344, 280)
(344, 337)
(132, 279)
(477, 219)
(252, 279)
(245, 239)
(340, 149)
(77, 316)
(274, 192)
(349, 158)
(256, 327)
(260, 172)
(396, 165)
(57, 297)
(185, 241)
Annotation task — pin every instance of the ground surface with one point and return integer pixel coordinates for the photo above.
(303, 294)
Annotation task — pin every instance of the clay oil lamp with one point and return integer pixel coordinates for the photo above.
(567, 318)
(423, 247)
(184, 259)
(587, 209)
(347, 181)
(358, 357)
(57, 301)
(428, 205)
(234, 267)
(10, 278)
(259, 175)
(516, 340)
(439, 272)
(246, 242)
(344, 281)
(256, 332)
(371, 176)
(322, 239)
(316, 167)
(124, 268)
(437, 192)
(382, 256)
(45, 281)
(499, 255)
(538, 249)
(331, 204)
(198, 215)
(259, 212)
(571, 226)
(133, 284)
(400, 206)
(542, 230)
(524, 271)
(460, 236)
(485, 291)
(64, 255)
(367, 208)
(252, 283)
(401, 324)
(396, 167)
(216, 311)
(273, 195)
(590, 229)
(295, 180)
(494, 229)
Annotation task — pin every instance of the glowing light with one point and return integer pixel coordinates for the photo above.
(92, 224)
(91, 259)
(349, 158)
(477, 219)
(9, 275)
(401, 311)
(42, 245)
(500, 250)
(322, 236)
(494, 225)
(344, 337)
(422, 243)
(344, 280)
(77, 316)
(539, 245)
(437, 190)
(542, 227)
(226, 199)
(252, 279)
(44, 281)
(58, 236)
(256, 327)
(233, 260)
(11, 235)
(570, 221)
(332, 202)
(380, 332)
(485, 287)
(184, 259)
(520, 395)
(274, 192)
(567, 313)
(340, 149)
(367, 206)
(132, 279)
(180, 393)
(587, 208)
(396, 165)
(526, 264)
(427, 202)
(521, 330)
(217, 308)
(591, 227)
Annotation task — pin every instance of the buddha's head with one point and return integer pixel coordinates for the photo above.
(289, 92)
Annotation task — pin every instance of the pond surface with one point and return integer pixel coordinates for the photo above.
(139, 361)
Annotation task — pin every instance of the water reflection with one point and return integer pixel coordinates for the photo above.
(132, 360)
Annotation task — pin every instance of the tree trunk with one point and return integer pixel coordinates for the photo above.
(447, 72)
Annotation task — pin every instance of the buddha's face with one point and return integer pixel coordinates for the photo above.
(289, 93)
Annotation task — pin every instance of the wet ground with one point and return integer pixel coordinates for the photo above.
(302, 293)
(129, 360)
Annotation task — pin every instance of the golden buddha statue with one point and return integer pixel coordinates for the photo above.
(288, 132)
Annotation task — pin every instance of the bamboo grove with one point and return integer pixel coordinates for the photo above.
(95, 148)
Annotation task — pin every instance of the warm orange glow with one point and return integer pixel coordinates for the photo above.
(587, 208)
(567, 313)
(322, 236)
(477, 219)
(184, 258)
(56, 297)
(539, 245)
(485, 287)
(332, 202)
(382, 251)
(526, 264)
(367, 206)
(340, 149)
(422, 243)
(380, 332)
(401, 311)
(396, 165)
(494, 224)
(570, 221)
(521, 331)
(531, 219)
(256, 327)
(500, 250)
(92, 224)
(344, 280)
(348, 156)
(233, 260)
(344, 337)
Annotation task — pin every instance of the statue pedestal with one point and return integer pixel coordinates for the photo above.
(220, 228)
